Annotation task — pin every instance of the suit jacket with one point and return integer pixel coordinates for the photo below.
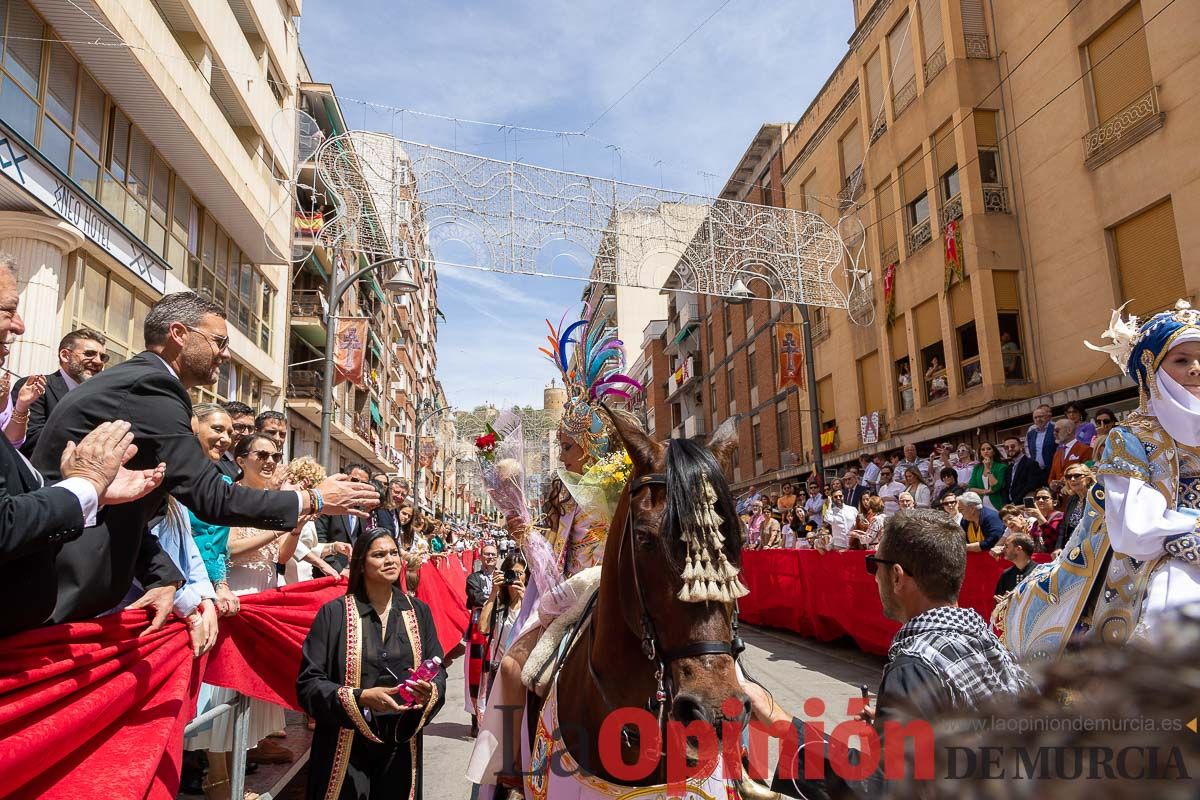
(1024, 478)
(386, 518)
(338, 529)
(854, 496)
(229, 467)
(1063, 458)
(56, 389)
(92, 573)
(478, 590)
(34, 525)
(1049, 445)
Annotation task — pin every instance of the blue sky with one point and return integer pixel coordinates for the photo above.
(558, 65)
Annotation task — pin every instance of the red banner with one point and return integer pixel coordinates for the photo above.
(954, 254)
(790, 347)
(349, 348)
(889, 291)
(89, 709)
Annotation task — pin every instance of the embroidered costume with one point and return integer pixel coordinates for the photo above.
(357, 755)
(1136, 552)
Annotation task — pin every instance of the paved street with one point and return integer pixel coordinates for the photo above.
(792, 668)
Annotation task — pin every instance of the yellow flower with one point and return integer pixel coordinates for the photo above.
(620, 476)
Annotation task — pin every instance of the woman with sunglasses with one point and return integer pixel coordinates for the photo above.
(1046, 519)
(1104, 420)
(360, 651)
(1078, 481)
(257, 558)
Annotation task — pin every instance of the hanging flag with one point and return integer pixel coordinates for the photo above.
(789, 345)
(350, 342)
(868, 428)
(828, 437)
(954, 254)
(428, 451)
(308, 224)
(889, 291)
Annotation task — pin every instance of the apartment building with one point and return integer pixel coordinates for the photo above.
(373, 419)
(140, 145)
(1015, 187)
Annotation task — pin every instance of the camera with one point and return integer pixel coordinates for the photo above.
(511, 576)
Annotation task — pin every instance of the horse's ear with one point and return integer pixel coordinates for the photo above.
(724, 441)
(643, 451)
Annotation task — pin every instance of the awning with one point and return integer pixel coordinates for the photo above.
(376, 344)
(375, 415)
(314, 263)
(684, 332)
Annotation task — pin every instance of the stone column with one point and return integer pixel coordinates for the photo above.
(40, 246)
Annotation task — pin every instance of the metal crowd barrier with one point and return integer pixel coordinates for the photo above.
(241, 732)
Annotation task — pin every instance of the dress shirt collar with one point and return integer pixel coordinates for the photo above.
(170, 369)
(67, 379)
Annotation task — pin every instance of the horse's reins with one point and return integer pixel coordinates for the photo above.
(651, 644)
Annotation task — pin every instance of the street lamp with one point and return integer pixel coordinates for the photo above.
(399, 283)
(423, 403)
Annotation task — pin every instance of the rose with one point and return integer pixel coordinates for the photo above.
(486, 442)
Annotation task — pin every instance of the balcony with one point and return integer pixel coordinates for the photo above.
(905, 97)
(995, 198)
(918, 236)
(852, 188)
(952, 210)
(681, 377)
(308, 316)
(977, 45)
(691, 426)
(879, 126)
(304, 384)
(1117, 134)
(889, 255)
(935, 64)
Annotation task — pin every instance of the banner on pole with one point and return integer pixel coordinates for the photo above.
(428, 450)
(954, 255)
(350, 341)
(889, 291)
(790, 347)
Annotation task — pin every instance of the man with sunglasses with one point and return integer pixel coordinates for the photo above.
(187, 345)
(81, 356)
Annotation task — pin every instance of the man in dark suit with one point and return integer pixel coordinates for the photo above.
(345, 527)
(1024, 475)
(853, 488)
(1039, 439)
(187, 343)
(81, 355)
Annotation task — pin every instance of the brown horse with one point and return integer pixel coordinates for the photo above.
(647, 648)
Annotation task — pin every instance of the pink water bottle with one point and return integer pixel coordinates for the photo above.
(427, 671)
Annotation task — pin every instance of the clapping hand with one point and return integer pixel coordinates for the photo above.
(33, 388)
(99, 456)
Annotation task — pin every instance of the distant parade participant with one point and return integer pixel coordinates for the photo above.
(1143, 508)
(563, 556)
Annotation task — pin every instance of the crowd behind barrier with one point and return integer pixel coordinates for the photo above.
(827, 596)
(89, 709)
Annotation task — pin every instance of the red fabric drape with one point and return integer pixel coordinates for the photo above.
(88, 709)
(829, 595)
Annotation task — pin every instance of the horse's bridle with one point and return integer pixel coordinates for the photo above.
(651, 644)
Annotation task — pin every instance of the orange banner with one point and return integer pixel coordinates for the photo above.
(349, 346)
(790, 347)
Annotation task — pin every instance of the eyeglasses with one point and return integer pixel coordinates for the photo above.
(948, 503)
(872, 564)
(94, 354)
(1105, 421)
(222, 342)
(267, 455)
(1074, 476)
(1043, 497)
(243, 428)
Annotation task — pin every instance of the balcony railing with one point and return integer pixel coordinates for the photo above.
(304, 384)
(308, 303)
(977, 45)
(889, 255)
(935, 64)
(919, 235)
(995, 198)
(879, 126)
(1124, 129)
(905, 97)
(952, 210)
(853, 186)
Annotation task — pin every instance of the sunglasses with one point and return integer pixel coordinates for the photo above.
(91, 354)
(1105, 421)
(222, 342)
(872, 563)
(1074, 476)
(267, 455)
(946, 503)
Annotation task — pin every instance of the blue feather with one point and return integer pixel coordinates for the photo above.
(565, 339)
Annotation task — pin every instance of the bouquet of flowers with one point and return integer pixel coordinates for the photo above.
(598, 489)
(501, 452)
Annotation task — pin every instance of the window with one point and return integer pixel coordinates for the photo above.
(963, 315)
(916, 196)
(987, 140)
(726, 325)
(1120, 65)
(885, 211)
(807, 203)
(1008, 311)
(900, 55)
(729, 396)
(104, 303)
(712, 401)
(870, 386)
(945, 162)
(933, 355)
(782, 442)
(751, 378)
(931, 32)
(1149, 261)
(850, 150)
(756, 439)
(825, 405)
(875, 91)
(904, 388)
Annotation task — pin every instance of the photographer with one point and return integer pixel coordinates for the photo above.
(499, 615)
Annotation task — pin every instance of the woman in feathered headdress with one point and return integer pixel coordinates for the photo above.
(1139, 536)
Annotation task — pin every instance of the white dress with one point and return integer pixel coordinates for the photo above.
(249, 573)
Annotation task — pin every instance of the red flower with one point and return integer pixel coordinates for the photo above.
(486, 442)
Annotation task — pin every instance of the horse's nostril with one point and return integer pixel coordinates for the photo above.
(688, 709)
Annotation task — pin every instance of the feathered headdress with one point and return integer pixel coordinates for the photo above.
(1139, 350)
(591, 359)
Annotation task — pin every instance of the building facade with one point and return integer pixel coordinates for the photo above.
(1018, 176)
(134, 171)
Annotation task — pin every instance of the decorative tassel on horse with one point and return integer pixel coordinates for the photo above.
(707, 574)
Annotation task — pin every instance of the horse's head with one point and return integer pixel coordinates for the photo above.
(678, 566)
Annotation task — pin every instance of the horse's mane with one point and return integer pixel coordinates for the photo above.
(689, 465)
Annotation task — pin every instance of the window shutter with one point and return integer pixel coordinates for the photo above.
(985, 128)
(1007, 297)
(886, 206)
(972, 18)
(962, 307)
(1120, 64)
(929, 323)
(851, 147)
(1149, 260)
(871, 382)
(899, 339)
(874, 85)
(912, 179)
(901, 54)
(825, 398)
(944, 154)
(931, 25)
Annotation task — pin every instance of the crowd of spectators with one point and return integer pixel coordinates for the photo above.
(1030, 487)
